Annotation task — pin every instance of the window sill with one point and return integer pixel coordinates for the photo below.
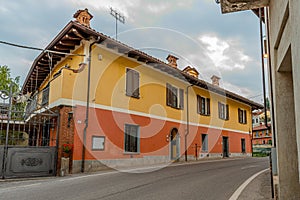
(133, 96)
(177, 108)
(205, 115)
(224, 119)
(131, 153)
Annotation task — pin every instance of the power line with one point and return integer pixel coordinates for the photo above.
(38, 49)
(252, 97)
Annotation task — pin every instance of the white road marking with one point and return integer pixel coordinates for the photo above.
(238, 192)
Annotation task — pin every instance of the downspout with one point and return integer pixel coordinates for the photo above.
(87, 104)
(263, 66)
(187, 122)
(270, 78)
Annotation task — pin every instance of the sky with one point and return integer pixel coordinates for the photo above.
(193, 30)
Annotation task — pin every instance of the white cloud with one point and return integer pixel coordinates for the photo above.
(243, 91)
(225, 54)
(135, 9)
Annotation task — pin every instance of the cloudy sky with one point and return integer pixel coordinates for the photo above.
(193, 30)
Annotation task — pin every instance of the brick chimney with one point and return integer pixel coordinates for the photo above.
(191, 71)
(172, 60)
(215, 80)
(83, 17)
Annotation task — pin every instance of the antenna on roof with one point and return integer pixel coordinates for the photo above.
(119, 17)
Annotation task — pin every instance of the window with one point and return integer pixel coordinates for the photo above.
(243, 144)
(242, 114)
(223, 111)
(256, 134)
(203, 105)
(131, 138)
(132, 83)
(98, 142)
(204, 142)
(256, 120)
(174, 97)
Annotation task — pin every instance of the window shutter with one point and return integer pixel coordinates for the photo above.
(245, 116)
(198, 104)
(239, 115)
(208, 106)
(136, 77)
(227, 111)
(168, 95)
(127, 138)
(128, 82)
(181, 98)
(219, 110)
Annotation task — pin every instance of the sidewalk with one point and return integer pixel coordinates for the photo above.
(258, 189)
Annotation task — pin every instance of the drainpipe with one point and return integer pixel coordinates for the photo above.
(187, 122)
(87, 104)
(270, 77)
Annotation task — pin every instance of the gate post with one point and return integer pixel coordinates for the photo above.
(57, 144)
(9, 96)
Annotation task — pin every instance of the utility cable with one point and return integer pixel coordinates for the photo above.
(38, 49)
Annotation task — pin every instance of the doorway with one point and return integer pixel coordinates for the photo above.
(174, 144)
(225, 147)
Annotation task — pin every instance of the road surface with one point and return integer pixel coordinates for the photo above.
(215, 180)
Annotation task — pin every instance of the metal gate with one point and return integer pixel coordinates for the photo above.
(28, 137)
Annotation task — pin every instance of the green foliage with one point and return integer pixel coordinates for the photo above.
(5, 82)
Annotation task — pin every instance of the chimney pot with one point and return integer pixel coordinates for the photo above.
(215, 80)
(83, 17)
(172, 60)
(191, 71)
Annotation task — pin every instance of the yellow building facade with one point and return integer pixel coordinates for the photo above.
(140, 109)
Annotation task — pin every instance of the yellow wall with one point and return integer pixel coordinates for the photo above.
(108, 78)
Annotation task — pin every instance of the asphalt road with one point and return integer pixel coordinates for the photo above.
(215, 180)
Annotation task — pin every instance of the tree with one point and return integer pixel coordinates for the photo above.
(5, 82)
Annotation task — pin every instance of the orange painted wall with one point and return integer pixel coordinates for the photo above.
(153, 135)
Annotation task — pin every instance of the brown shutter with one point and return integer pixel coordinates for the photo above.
(227, 111)
(168, 94)
(245, 117)
(198, 104)
(181, 98)
(239, 115)
(208, 106)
